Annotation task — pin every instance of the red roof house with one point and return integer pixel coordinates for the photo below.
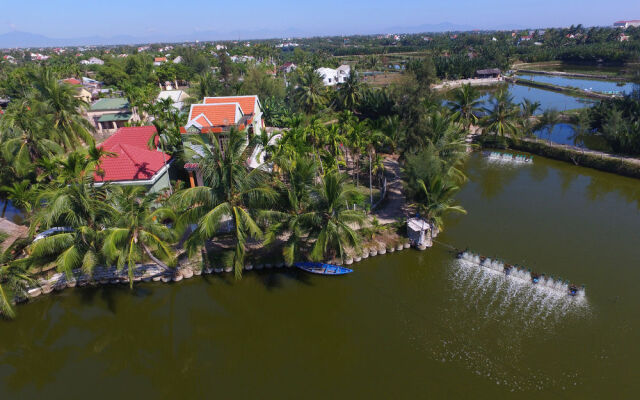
(72, 81)
(134, 163)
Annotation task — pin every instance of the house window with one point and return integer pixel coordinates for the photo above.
(329, 80)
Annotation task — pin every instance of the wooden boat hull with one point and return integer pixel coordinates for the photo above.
(323, 269)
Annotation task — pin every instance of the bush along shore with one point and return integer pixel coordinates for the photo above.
(616, 164)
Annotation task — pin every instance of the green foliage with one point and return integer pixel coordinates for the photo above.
(618, 122)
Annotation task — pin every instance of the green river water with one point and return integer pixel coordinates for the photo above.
(405, 325)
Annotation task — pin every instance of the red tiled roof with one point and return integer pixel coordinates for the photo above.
(72, 81)
(217, 114)
(134, 160)
(159, 59)
(247, 103)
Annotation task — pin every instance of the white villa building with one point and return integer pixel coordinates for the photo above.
(331, 77)
(92, 61)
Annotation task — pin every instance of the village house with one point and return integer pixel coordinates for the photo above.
(159, 61)
(177, 97)
(134, 162)
(331, 77)
(108, 115)
(488, 73)
(38, 57)
(92, 61)
(625, 24)
(288, 67)
(9, 59)
(623, 37)
(213, 119)
(83, 94)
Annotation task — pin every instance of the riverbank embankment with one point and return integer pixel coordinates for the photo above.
(616, 164)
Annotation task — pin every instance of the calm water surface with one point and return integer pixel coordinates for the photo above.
(589, 84)
(406, 325)
(565, 134)
(547, 98)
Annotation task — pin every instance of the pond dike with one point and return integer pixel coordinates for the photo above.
(561, 89)
(616, 164)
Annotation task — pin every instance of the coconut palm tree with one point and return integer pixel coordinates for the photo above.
(548, 121)
(528, 108)
(14, 279)
(70, 127)
(21, 194)
(27, 136)
(466, 104)
(82, 211)
(291, 219)
(139, 230)
(436, 200)
(330, 222)
(357, 142)
(350, 92)
(227, 202)
(310, 93)
(502, 115)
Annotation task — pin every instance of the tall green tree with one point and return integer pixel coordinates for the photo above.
(227, 203)
(309, 93)
(466, 104)
(331, 223)
(139, 230)
(502, 115)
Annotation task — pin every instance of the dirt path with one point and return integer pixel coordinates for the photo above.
(394, 205)
(13, 231)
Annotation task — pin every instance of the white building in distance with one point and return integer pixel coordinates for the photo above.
(625, 24)
(92, 61)
(331, 77)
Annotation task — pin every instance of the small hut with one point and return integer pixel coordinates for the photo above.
(488, 73)
(419, 232)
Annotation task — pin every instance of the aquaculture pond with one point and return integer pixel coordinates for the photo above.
(586, 84)
(548, 99)
(564, 133)
(403, 325)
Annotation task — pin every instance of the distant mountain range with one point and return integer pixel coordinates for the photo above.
(26, 39)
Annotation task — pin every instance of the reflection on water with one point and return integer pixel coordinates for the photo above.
(565, 134)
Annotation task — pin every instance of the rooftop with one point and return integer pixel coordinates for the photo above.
(134, 160)
(110, 104)
(247, 103)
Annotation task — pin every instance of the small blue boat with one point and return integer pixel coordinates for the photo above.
(323, 269)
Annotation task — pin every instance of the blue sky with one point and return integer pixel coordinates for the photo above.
(76, 18)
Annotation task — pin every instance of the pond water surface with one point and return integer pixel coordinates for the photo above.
(587, 84)
(548, 99)
(403, 325)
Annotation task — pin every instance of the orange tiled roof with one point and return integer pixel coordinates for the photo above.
(247, 103)
(217, 114)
